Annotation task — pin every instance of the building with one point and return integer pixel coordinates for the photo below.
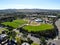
(51, 16)
(3, 37)
(25, 43)
(38, 20)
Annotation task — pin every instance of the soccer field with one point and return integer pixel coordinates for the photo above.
(15, 23)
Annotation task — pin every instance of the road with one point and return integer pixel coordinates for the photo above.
(34, 39)
(56, 41)
(57, 23)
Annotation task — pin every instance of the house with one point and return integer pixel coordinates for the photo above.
(3, 37)
(11, 42)
(25, 43)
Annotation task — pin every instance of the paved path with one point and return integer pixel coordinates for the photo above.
(36, 40)
(22, 25)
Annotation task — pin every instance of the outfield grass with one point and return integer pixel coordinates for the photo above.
(41, 27)
(15, 23)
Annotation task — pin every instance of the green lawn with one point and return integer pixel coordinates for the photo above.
(15, 23)
(41, 27)
(3, 29)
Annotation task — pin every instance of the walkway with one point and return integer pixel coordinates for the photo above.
(34, 39)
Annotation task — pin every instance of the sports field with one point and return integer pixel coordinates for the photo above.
(15, 23)
(41, 27)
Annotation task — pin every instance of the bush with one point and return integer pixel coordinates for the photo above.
(34, 44)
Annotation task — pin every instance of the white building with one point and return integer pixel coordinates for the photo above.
(25, 43)
(38, 20)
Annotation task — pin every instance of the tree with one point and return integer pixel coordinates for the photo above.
(11, 35)
(29, 40)
(43, 41)
(34, 43)
(18, 39)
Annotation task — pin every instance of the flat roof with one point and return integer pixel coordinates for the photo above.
(51, 16)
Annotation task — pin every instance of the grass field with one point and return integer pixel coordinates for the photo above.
(15, 23)
(3, 29)
(41, 27)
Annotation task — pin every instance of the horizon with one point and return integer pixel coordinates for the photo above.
(30, 4)
(27, 9)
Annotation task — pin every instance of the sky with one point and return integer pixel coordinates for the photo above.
(29, 4)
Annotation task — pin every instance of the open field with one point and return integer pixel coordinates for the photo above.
(41, 27)
(15, 23)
